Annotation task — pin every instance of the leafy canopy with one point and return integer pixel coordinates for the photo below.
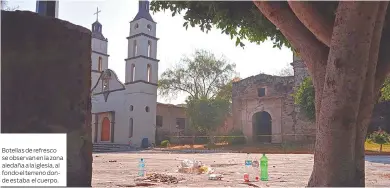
(239, 19)
(202, 76)
(304, 96)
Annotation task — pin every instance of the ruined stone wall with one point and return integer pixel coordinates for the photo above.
(278, 93)
(46, 81)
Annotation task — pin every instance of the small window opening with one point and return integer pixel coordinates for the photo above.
(132, 73)
(100, 64)
(149, 48)
(159, 121)
(136, 26)
(147, 108)
(135, 48)
(149, 73)
(149, 27)
(131, 107)
(131, 122)
(261, 92)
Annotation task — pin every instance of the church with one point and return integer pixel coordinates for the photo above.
(125, 113)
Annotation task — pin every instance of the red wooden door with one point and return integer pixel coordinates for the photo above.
(105, 134)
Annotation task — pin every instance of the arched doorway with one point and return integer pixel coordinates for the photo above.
(105, 134)
(262, 127)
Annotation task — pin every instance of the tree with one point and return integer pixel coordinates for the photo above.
(385, 91)
(304, 96)
(286, 71)
(345, 47)
(4, 6)
(380, 137)
(208, 83)
(202, 76)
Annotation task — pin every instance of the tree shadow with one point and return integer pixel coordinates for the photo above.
(384, 159)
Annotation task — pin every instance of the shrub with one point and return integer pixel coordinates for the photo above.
(380, 137)
(304, 98)
(236, 137)
(165, 143)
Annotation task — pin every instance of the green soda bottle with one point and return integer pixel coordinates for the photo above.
(264, 168)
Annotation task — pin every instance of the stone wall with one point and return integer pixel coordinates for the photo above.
(46, 67)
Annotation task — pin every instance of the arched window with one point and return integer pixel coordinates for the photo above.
(149, 27)
(100, 64)
(149, 72)
(131, 127)
(135, 48)
(131, 107)
(147, 109)
(136, 26)
(132, 73)
(149, 48)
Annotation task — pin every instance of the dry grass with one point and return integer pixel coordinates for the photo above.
(372, 147)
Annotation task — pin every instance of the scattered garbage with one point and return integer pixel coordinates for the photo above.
(159, 178)
(112, 161)
(194, 167)
(215, 177)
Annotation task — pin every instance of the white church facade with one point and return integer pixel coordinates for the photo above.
(125, 113)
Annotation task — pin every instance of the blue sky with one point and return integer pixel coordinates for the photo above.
(175, 41)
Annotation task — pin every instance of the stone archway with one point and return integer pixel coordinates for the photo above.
(262, 127)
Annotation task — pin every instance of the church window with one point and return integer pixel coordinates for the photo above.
(131, 107)
(149, 27)
(149, 69)
(159, 121)
(135, 48)
(149, 48)
(180, 123)
(136, 26)
(132, 73)
(100, 64)
(147, 109)
(131, 126)
(261, 92)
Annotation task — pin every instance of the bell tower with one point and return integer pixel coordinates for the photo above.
(99, 54)
(142, 74)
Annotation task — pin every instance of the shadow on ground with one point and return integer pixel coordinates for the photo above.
(378, 159)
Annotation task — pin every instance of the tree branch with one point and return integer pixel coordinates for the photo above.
(308, 46)
(320, 25)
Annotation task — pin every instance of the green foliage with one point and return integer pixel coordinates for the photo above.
(202, 76)
(379, 137)
(207, 114)
(385, 91)
(238, 19)
(305, 98)
(236, 137)
(165, 143)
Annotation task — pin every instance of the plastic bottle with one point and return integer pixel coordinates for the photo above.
(264, 168)
(248, 167)
(255, 166)
(141, 168)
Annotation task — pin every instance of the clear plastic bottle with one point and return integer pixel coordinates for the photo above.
(248, 168)
(141, 168)
(255, 166)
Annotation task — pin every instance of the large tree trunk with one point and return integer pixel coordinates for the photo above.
(346, 81)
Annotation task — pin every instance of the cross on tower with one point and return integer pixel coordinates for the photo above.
(97, 13)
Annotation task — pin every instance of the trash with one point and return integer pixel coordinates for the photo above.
(194, 167)
(159, 178)
(215, 177)
(112, 161)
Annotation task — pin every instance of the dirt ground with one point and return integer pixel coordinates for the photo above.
(120, 169)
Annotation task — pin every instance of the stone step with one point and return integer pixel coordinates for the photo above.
(111, 147)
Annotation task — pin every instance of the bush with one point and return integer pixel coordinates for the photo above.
(165, 143)
(304, 97)
(380, 137)
(235, 137)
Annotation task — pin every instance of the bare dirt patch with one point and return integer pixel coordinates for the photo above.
(285, 170)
